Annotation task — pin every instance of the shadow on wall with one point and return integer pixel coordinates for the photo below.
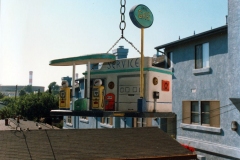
(238, 129)
(236, 102)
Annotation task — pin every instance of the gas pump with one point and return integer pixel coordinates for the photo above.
(64, 96)
(98, 95)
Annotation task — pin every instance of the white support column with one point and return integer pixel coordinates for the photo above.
(73, 86)
(88, 85)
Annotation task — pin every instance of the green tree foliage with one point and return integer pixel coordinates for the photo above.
(1, 95)
(28, 89)
(53, 88)
(36, 106)
(10, 107)
(32, 106)
(5, 112)
(22, 93)
(7, 100)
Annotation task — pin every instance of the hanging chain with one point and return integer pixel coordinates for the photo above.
(122, 26)
(114, 44)
(132, 45)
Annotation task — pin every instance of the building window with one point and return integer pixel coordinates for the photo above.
(107, 120)
(69, 119)
(207, 114)
(168, 60)
(142, 122)
(83, 117)
(194, 112)
(202, 56)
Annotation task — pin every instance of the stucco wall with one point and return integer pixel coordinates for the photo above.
(208, 86)
(234, 47)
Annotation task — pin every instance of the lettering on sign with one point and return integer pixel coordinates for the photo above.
(144, 15)
(124, 64)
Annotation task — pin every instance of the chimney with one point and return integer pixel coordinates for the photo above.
(30, 77)
(120, 52)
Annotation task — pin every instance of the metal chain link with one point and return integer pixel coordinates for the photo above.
(122, 26)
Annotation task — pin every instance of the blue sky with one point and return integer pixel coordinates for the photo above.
(35, 32)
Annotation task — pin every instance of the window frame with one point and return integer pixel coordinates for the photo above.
(203, 61)
(195, 112)
(69, 119)
(214, 113)
(141, 122)
(107, 120)
(84, 117)
(205, 113)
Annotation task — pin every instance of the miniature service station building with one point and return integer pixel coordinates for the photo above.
(120, 86)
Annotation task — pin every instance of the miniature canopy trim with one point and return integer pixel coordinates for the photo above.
(93, 58)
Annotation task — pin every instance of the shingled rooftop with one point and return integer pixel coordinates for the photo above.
(130, 143)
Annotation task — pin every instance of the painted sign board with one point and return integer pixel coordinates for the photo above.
(141, 16)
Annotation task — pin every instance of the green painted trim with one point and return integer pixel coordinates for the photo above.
(93, 58)
(128, 70)
(157, 70)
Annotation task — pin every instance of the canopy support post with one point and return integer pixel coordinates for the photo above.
(73, 86)
(88, 86)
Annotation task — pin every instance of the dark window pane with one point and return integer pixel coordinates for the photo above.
(194, 112)
(198, 57)
(205, 115)
(194, 106)
(205, 107)
(205, 118)
(195, 118)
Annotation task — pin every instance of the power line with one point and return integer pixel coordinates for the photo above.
(209, 111)
(208, 118)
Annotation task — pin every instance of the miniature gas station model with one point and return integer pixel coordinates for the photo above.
(114, 89)
(130, 87)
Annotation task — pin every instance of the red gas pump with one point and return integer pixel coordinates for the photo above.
(109, 102)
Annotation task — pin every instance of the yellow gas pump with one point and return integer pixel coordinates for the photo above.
(64, 97)
(98, 95)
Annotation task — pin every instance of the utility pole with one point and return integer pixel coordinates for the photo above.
(16, 92)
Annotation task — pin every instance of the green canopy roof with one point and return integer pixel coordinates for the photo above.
(93, 58)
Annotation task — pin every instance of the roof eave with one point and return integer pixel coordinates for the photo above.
(197, 36)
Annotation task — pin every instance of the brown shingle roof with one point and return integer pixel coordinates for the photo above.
(131, 143)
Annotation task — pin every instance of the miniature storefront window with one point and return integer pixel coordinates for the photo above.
(141, 122)
(69, 120)
(83, 117)
(107, 120)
